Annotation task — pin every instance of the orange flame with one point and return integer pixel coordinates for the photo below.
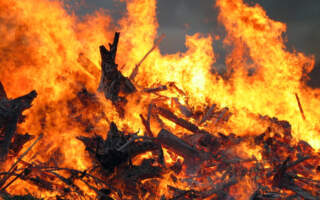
(46, 49)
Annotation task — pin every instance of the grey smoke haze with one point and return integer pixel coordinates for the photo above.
(178, 17)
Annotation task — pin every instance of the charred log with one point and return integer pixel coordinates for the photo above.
(183, 109)
(112, 81)
(10, 115)
(208, 114)
(284, 180)
(118, 148)
(18, 141)
(156, 89)
(179, 121)
(141, 172)
(191, 154)
(3, 93)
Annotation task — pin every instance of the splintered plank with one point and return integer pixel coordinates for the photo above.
(208, 114)
(146, 124)
(177, 145)
(179, 121)
(300, 107)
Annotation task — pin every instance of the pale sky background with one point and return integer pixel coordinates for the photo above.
(301, 16)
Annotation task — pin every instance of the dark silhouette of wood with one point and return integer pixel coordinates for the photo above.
(178, 146)
(112, 81)
(179, 121)
(10, 115)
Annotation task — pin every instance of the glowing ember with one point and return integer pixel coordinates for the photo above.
(208, 136)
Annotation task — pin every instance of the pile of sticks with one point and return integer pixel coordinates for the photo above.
(205, 163)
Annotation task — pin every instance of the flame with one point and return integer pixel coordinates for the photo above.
(52, 51)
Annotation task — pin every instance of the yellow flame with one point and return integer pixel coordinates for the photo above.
(41, 45)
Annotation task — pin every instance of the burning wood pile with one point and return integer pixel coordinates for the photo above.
(202, 164)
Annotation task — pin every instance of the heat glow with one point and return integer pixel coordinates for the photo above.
(45, 48)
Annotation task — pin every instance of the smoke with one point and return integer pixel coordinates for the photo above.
(180, 17)
(302, 19)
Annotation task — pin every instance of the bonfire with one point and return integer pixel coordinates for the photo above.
(90, 108)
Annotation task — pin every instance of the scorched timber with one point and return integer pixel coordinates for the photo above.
(10, 115)
(3, 93)
(118, 148)
(180, 147)
(112, 81)
(179, 121)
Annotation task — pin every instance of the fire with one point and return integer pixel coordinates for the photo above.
(278, 73)
(45, 48)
